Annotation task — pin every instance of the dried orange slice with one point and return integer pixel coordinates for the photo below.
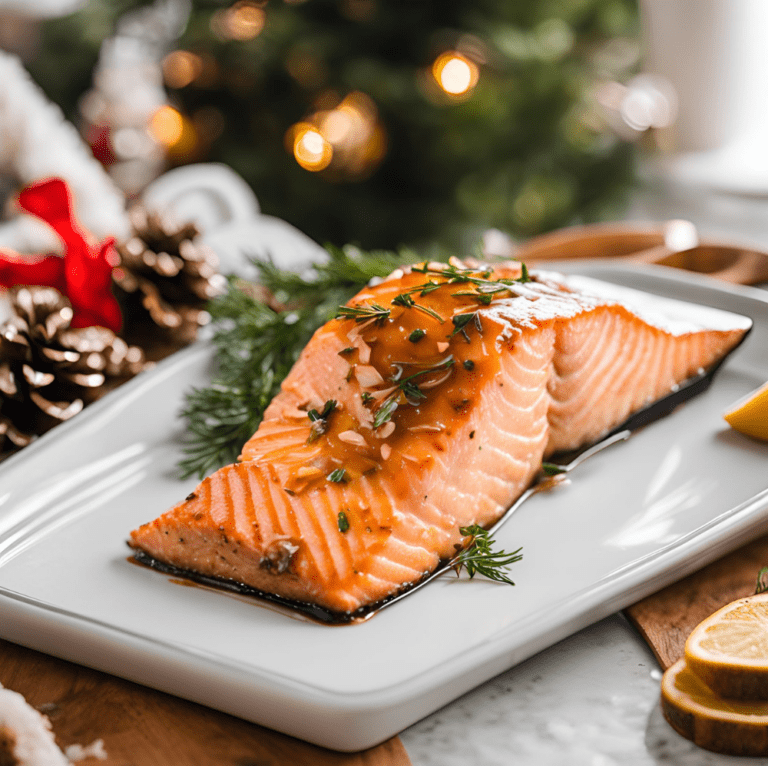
(726, 726)
(729, 650)
(750, 415)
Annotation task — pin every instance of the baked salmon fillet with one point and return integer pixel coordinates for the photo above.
(427, 405)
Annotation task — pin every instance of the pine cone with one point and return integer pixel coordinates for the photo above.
(165, 278)
(49, 371)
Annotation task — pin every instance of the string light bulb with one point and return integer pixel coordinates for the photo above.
(456, 74)
(242, 21)
(310, 149)
(180, 68)
(173, 131)
(347, 138)
(166, 125)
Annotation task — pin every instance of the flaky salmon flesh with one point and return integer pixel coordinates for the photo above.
(428, 405)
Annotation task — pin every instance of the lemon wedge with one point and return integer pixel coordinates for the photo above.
(729, 650)
(725, 726)
(750, 415)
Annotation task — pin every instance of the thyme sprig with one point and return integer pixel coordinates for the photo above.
(479, 557)
(257, 342)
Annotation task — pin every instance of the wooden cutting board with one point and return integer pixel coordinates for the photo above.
(143, 727)
(666, 618)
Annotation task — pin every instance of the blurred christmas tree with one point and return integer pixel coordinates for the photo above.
(385, 122)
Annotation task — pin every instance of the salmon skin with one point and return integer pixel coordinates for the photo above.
(428, 405)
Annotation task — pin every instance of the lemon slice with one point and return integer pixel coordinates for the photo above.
(725, 726)
(750, 415)
(729, 650)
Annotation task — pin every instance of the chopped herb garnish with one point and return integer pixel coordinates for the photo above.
(479, 557)
(417, 335)
(406, 300)
(328, 408)
(460, 322)
(343, 522)
(409, 389)
(486, 288)
(471, 434)
(384, 413)
(363, 313)
(551, 469)
(412, 392)
(346, 351)
(469, 364)
(320, 420)
(366, 397)
(337, 476)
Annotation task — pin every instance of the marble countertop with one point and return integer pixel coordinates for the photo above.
(591, 700)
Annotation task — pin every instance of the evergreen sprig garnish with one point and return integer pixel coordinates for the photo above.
(363, 312)
(258, 341)
(406, 301)
(485, 287)
(479, 557)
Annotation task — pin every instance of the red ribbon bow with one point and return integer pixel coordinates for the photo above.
(84, 274)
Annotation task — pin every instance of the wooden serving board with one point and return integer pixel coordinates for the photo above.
(665, 619)
(143, 727)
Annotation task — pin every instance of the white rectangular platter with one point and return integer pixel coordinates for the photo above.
(643, 513)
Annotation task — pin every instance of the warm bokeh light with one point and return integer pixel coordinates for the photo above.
(455, 73)
(346, 137)
(310, 149)
(174, 132)
(180, 68)
(242, 21)
(166, 126)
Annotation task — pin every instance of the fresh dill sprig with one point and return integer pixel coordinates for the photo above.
(479, 557)
(257, 344)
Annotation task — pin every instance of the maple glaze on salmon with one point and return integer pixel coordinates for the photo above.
(402, 423)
